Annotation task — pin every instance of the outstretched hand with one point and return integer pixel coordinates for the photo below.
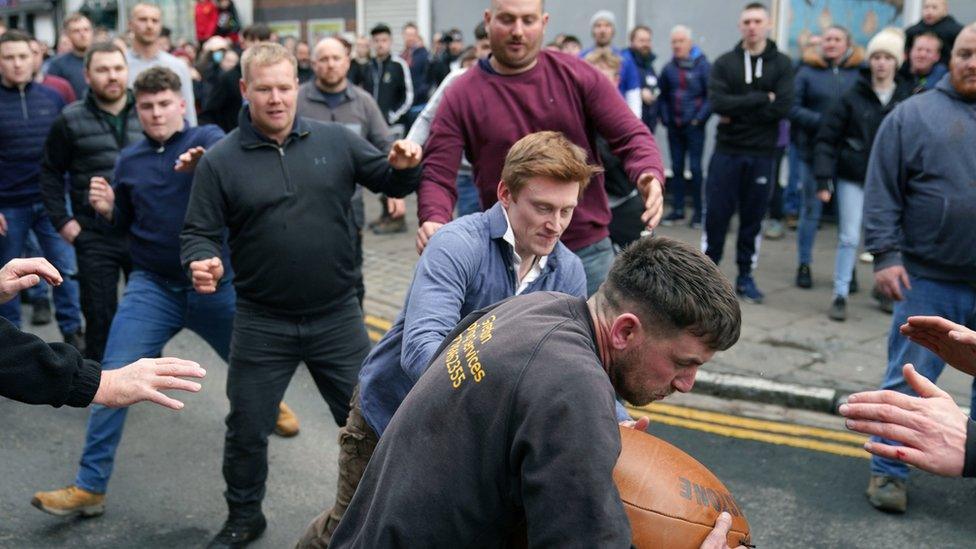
(652, 190)
(145, 379)
(931, 426)
(954, 343)
(404, 155)
(187, 162)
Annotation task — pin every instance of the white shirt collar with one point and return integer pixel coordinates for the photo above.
(536, 270)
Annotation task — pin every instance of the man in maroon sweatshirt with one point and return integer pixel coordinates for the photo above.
(518, 90)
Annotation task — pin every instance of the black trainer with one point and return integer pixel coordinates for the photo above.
(838, 309)
(803, 277)
(41, 312)
(239, 532)
(852, 288)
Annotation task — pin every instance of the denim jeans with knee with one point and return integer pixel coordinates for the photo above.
(152, 311)
(955, 301)
(32, 217)
(850, 206)
(811, 208)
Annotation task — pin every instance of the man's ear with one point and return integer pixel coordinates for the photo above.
(623, 330)
(504, 194)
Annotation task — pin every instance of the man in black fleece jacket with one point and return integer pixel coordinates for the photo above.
(34, 372)
(751, 89)
(282, 186)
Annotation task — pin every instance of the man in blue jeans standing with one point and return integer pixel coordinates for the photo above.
(27, 111)
(919, 205)
(148, 200)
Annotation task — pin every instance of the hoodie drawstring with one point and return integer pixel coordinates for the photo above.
(748, 62)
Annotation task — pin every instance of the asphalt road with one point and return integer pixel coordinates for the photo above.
(167, 486)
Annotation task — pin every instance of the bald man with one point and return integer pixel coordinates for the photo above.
(329, 98)
(935, 20)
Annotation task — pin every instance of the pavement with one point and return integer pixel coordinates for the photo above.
(789, 352)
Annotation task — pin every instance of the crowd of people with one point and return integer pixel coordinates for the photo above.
(131, 159)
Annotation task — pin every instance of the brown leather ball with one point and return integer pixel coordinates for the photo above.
(671, 499)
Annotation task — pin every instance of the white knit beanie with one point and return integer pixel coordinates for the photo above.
(889, 40)
(604, 15)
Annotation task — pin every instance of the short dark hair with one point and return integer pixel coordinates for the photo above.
(410, 25)
(928, 34)
(155, 80)
(634, 30)
(103, 47)
(672, 286)
(72, 17)
(480, 32)
(380, 28)
(756, 6)
(15, 35)
(571, 38)
(258, 32)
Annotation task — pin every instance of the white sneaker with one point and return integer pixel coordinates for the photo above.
(866, 257)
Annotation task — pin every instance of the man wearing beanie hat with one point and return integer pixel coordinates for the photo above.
(603, 26)
(919, 203)
(751, 89)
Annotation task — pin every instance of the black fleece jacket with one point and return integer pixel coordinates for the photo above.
(291, 230)
(35, 372)
(743, 98)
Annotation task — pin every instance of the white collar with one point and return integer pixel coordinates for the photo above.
(536, 270)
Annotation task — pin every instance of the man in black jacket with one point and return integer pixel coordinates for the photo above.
(751, 89)
(223, 104)
(292, 244)
(935, 20)
(35, 372)
(84, 143)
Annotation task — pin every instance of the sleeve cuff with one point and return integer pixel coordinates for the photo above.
(969, 465)
(883, 260)
(86, 384)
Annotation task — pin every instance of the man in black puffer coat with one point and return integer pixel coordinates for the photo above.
(84, 142)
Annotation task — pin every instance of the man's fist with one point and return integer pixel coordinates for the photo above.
(70, 231)
(206, 274)
(892, 281)
(404, 155)
(101, 197)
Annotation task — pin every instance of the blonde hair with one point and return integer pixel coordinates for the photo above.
(546, 154)
(602, 57)
(265, 54)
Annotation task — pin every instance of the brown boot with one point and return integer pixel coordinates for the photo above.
(70, 501)
(287, 424)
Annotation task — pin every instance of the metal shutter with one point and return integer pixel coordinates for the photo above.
(394, 13)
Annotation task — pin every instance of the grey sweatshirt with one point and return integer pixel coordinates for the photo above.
(920, 192)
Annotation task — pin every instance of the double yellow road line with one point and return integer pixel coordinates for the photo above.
(841, 443)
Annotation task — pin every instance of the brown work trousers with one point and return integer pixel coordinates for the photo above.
(357, 442)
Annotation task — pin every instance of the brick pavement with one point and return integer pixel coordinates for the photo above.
(787, 340)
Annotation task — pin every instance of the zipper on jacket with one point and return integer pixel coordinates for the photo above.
(284, 170)
(23, 103)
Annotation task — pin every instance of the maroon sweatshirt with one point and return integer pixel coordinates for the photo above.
(483, 114)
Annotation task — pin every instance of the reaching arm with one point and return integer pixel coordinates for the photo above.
(203, 228)
(443, 151)
(884, 195)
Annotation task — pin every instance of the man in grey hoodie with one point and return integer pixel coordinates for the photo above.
(920, 200)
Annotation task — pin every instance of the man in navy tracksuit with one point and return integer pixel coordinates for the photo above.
(751, 89)
(27, 111)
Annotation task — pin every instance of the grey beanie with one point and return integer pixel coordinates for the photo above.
(604, 15)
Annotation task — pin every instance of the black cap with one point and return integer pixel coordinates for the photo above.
(380, 28)
(453, 35)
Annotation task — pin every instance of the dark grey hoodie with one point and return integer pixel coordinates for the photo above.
(920, 192)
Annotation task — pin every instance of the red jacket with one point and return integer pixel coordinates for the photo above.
(206, 19)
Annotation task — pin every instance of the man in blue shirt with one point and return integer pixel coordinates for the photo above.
(471, 263)
(148, 200)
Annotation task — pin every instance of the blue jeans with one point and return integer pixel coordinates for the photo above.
(21, 220)
(596, 258)
(850, 205)
(468, 200)
(955, 301)
(152, 311)
(690, 141)
(32, 248)
(810, 211)
(791, 194)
